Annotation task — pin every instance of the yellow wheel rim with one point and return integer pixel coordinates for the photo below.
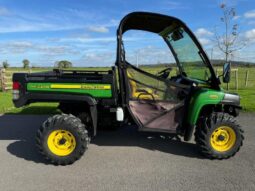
(223, 139)
(61, 142)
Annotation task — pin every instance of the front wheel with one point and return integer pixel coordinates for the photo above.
(62, 139)
(219, 136)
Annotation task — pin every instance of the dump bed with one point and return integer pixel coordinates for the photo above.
(60, 85)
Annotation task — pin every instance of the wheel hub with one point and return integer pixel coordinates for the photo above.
(223, 139)
(61, 142)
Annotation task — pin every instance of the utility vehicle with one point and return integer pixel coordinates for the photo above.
(190, 101)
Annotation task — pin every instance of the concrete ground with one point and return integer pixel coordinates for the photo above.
(122, 160)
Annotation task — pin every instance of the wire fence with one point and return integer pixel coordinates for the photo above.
(241, 77)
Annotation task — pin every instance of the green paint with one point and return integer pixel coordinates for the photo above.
(201, 98)
(94, 92)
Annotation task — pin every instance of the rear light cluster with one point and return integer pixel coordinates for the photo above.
(15, 90)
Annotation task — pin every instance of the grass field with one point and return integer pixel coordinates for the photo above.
(7, 107)
(247, 93)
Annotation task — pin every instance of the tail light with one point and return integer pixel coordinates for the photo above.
(15, 90)
(16, 86)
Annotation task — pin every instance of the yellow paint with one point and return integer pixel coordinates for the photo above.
(227, 134)
(213, 96)
(80, 86)
(64, 86)
(61, 142)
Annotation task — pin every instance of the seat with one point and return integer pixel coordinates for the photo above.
(145, 93)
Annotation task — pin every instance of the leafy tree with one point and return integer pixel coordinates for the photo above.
(229, 40)
(64, 64)
(26, 63)
(6, 64)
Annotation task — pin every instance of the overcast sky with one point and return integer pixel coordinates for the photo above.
(84, 32)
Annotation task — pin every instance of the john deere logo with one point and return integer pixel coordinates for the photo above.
(214, 96)
(96, 87)
(39, 86)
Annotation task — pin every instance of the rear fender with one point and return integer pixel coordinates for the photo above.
(44, 97)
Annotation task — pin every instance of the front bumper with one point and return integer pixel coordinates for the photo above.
(231, 99)
(231, 104)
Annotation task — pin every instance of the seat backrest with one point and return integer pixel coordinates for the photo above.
(132, 83)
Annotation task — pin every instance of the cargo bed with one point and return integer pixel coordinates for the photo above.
(60, 85)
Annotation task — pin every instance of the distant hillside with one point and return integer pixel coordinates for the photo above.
(214, 63)
(234, 63)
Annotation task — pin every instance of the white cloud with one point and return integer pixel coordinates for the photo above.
(55, 20)
(250, 35)
(96, 58)
(4, 11)
(204, 41)
(15, 47)
(250, 14)
(27, 47)
(99, 29)
(20, 44)
(201, 32)
(173, 5)
(149, 54)
(203, 35)
(55, 50)
(89, 40)
(237, 17)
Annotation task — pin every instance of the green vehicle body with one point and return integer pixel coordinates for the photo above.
(200, 99)
(94, 90)
(203, 97)
(111, 89)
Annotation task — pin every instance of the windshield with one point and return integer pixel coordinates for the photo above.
(188, 55)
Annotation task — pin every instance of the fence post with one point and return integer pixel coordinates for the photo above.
(2, 74)
(1, 79)
(227, 84)
(236, 79)
(246, 78)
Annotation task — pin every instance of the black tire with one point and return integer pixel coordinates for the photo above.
(68, 123)
(208, 125)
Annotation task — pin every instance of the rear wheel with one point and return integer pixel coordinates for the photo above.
(62, 139)
(219, 136)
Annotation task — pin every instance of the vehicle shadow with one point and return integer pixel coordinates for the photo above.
(22, 130)
(130, 137)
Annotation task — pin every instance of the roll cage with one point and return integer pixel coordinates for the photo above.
(155, 23)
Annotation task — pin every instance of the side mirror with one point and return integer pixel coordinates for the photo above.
(226, 72)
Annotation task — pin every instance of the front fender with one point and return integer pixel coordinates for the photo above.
(199, 99)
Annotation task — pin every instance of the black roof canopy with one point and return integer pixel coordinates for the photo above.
(146, 21)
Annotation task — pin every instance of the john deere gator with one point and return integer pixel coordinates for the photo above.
(180, 104)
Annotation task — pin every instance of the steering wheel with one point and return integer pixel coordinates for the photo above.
(164, 73)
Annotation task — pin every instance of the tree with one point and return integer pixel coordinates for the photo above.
(229, 41)
(26, 63)
(64, 64)
(5, 64)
